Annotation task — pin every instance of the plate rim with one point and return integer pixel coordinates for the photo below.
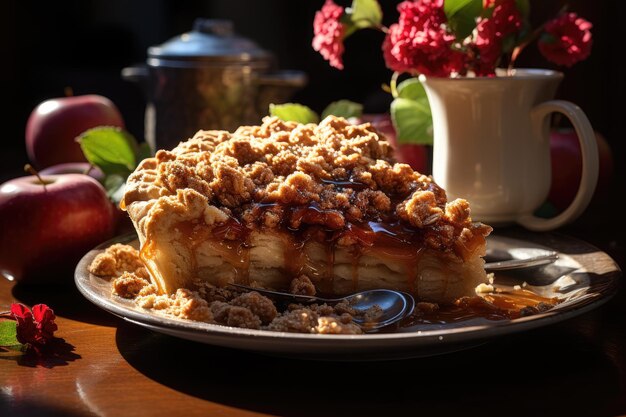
(456, 334)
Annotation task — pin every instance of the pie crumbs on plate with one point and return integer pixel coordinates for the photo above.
(211, 304)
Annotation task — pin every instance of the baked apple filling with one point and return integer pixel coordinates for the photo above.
(266, 204)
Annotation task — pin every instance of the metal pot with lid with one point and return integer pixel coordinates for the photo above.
(208, 78)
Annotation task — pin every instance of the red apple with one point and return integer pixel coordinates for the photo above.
(414, 155)
(75, 168)
(566, 162)
(46, 228)
(122, 221)
(53, 126)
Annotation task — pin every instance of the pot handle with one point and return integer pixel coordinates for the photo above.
(278, 87)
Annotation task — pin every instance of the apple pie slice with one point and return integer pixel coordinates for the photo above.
(266, 204)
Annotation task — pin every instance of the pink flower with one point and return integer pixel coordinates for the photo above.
(566, 40)
(329, 31)
(420, 43)
(506, 20)
(34, 327)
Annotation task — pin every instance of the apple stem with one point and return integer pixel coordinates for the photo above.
(68, 91)
(89, 168)
(32, 171)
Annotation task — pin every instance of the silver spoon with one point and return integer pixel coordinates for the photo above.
(532, 261)
(395, 305)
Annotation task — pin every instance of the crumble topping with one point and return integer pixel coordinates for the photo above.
(301, 320)
(260, 306)
(302, 285)
(235, 316)
(128, 285)
(345, 172)
(118, 259)
(332, 325)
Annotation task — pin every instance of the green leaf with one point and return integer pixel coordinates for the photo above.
(115, 185)
(109, 148)
(412, 89)
(365, 13)
(509, 43)
(410, 113)
(412, 121)
(348, 25)
(292, 112)
(462, 16)
(8, 333)
(343, 108)
(143, 151)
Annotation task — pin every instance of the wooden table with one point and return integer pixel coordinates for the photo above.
(108, 367)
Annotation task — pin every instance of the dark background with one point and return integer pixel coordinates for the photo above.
(84, 44)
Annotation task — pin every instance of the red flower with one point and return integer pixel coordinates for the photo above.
(566, 40)
(420, 43)
(328, 31)
(35, 328)
(490, 32)
(507, 18)
(488, 47)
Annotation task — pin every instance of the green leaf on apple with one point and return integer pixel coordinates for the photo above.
(111, 149)
(116, 153)
(8, 333)
(115, 185)
(293, 112)
(412, 121)
(343, 108)
(462, 15)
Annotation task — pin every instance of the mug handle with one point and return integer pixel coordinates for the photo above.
(589, 151)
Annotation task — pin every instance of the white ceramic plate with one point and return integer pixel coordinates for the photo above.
(582, 278)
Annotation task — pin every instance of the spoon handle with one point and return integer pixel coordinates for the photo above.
(522, 263)
(277, 295)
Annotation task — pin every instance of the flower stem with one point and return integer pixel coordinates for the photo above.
(519, 48)
(534, 35)
(393, 84)
(371, 25)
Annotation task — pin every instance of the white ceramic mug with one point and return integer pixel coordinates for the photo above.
(492, 147)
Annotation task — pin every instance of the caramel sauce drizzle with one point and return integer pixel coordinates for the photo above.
(495, 306)
(146, 254)
(293, 256)
(390, 240)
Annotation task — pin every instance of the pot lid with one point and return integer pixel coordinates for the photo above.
(210, 40)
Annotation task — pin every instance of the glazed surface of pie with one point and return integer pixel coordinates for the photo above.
(269, 203)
